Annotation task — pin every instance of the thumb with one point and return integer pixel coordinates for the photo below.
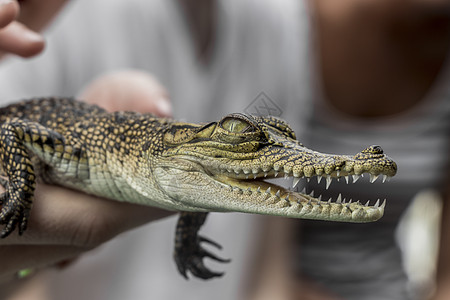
(129, 90)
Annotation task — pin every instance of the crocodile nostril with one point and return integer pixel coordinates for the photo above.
(374, 149)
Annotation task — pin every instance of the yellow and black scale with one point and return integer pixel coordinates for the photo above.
(71, 143)
(64, 141)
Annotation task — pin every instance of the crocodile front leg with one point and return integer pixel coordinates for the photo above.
(21, 143)
(17, 200)
(188, 253)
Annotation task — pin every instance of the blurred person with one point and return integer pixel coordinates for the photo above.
(382, 78)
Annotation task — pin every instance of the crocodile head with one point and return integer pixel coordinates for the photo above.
(222, 166)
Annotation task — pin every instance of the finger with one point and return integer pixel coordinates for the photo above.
(37, 14)
(34, 257)
(65, 217)
(129, 90)
(9, 11)
(18, 39)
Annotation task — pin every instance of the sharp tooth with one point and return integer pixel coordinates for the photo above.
(303, 191)
(265, 174)
(368, 202)
(339, 199)
(355, 178)
(278, 194)
(249, 189)
(287, 198)
(319, 198)
(246, 177)
(388, 178)
(259, 189)
(309, 202)
(373, 178)
(350, 201)
(295, 182)
(254, 176)
(357, 202)
(384, 178)
(329, 201)
(276, 174)
(377, 204)
(319, 178)
(383, 205)
(311, 194)
(328, 182)
(286, 175)
(338, 173)
(346, 179)
(268, 190)
(308, 179)
(343, 201)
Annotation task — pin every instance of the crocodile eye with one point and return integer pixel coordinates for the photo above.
(235, 125)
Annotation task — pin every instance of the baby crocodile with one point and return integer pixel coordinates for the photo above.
(192, 168)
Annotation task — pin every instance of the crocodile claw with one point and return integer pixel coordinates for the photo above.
(12, 215)
(190, 258)
(14, 211)
(189, 253)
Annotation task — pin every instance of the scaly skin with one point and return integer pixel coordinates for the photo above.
(195, 168)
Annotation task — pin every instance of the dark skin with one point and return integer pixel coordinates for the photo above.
(388, 53)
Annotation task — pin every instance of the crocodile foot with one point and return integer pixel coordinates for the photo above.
(14, 211)
(189, 253)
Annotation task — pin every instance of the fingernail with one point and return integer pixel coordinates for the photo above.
(164, 106)
(32, 36)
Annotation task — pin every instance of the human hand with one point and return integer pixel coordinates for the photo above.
(19, 25)
(128, 90)
(65, 223)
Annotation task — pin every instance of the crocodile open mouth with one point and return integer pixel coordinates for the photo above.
(244, 182)
(258, 185)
